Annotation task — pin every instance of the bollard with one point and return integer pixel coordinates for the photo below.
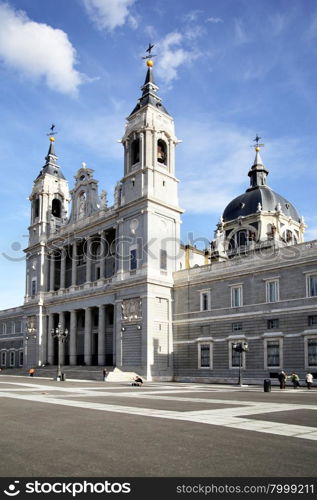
(267, 385)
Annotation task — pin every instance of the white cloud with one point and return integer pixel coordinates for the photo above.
(192, 16)
(278, 23)
(311, 32)
(214, 20)
(241, 36)
(38, 51)
(215, 159)
(173, 55)
(110, 14)
(98, 132)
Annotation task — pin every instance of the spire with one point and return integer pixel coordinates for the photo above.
(258, 171)
(51, 167)
(51, 155)
(149, 91)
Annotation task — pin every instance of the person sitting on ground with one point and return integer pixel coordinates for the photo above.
(137, 381)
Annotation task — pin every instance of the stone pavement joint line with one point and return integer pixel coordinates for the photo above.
(236, 417)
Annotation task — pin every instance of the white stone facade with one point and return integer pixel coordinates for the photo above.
(132, 297)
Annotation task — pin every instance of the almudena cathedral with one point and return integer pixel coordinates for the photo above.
(134, 299)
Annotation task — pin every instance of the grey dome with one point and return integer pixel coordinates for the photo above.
(247, 204)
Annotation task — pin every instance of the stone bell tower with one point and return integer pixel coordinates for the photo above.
(149, 149)
(148, 236)
(49, 199)
(49, 203)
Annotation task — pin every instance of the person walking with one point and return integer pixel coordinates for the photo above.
(282, 379)
(309, 380)
(295, 380)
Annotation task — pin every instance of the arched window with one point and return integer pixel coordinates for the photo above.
(56, 207)
(242, 238)
(289, 237)
(36, 208)
(161, 152)
(135, 151)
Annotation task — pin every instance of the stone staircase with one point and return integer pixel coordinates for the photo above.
(76, 372)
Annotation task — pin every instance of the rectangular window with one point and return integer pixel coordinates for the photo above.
(236, 296)
(21, 357)
(236, 327)
(312, 352)
(273, 353)
(12, 358)
(3, 358)
(312, 320)
(273, 323)
(163, 260)
(204, 301)
(33, 287)
(204, 356)
(97, 273)
(272, 291)
(18, 326)
(133, 260)
(9, 327)
(312, 286)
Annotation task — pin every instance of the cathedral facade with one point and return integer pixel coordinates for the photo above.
(131, 296)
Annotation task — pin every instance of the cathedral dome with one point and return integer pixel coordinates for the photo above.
(259, 196)
(248, 203)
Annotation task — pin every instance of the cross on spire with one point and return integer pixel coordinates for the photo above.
(257, 146)
(51, 132)
(149, 50)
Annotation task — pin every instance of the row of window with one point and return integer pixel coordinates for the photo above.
(11, 327)
(12, 358)
(273, 354)
(161, 151)
(274, 323)
(271, 288)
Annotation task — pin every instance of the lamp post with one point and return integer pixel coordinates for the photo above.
(61, 335)
(240, 347)
(31, 334)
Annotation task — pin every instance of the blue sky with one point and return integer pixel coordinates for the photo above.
(227, 70)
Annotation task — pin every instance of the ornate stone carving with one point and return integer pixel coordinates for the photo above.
(131, 309)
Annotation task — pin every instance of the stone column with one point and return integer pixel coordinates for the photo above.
(102, 336)
(72, 338)
(50, 340)
(88, 259)
(87, 340)
(74, 263)
(142, 149)
(47, 272)
(52, 272)
(61, 322)
(103, 248)
(63, 268)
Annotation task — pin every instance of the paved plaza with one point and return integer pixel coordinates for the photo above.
(100, 429)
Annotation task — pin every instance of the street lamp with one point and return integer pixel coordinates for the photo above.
(31, 334)
(61, 335)
(240, 347)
